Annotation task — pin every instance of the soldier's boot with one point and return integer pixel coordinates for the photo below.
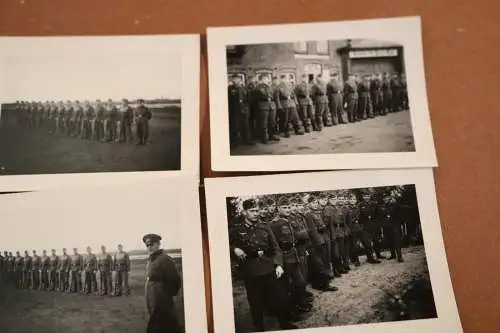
(273, 137)
(379, 255)
(328, 119)
(372, 260)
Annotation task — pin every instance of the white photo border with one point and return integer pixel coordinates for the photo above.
(186, 46)
(404, 30)
(218, 189)
(195, 316)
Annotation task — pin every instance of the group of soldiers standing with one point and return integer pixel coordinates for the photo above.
(98, 121)
(278, 253)
(264, 109)
(102, 274)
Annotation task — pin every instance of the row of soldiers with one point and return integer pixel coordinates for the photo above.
(278, 255)
(265, 109)
(102, 274)
(99, 121)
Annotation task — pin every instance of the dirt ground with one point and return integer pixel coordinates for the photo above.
(53, 312)
(365, 295)
(37, 152)
(390, 133)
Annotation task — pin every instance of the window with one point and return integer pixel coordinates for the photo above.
(300, 47)
(322, 46)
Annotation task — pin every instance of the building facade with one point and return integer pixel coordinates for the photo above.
(360, 56)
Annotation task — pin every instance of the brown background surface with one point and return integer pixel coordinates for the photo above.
(461, 63)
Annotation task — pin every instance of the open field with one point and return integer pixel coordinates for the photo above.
(37, 152)
(53, 312)
(366, 295)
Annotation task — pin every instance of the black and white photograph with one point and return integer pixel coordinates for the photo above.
(311, 251)
(323, 94)
(94, 105)
(115, 259)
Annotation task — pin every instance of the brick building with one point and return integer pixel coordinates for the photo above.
(362, 56)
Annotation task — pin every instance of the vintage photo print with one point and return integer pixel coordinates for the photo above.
(126, 258)
(102, 108)
(329, 252)
(334, 95)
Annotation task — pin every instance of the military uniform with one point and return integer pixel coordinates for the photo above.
(89, 278)
(75, 273)
(54, 274)
(239, 114)
(86, 123)
(121, 269)
(60, 118)
(404, 93)
(334, 92)
(98, 125)
(44, 272)
(163, 283)
(258, 270)
(365, 110)
(351, 98)
(142, 118)
(125, 117)
(322, 114)
(64, 264)
(105, 264)
(392, 215)
(35, 272)
(77, 120)
(69, 118)
(396, 93)
(387, 95)
(331, 221)
(286, 102)
(358, 224)
(306, 114)
(110, 125)
(376, 95)
(320, 258)
(12, 271)
(264, 96)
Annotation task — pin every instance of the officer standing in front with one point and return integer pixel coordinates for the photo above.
(163, 283)
(260, 261)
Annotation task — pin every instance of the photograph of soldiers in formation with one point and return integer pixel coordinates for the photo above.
(102, 269)
(329, 258)
(318, 97)
(77, 114)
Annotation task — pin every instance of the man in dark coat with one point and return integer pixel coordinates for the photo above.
(162, 285)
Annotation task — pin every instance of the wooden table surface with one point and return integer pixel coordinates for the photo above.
(461, 64)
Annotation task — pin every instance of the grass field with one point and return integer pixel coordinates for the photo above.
(53, 312)
(37, 152)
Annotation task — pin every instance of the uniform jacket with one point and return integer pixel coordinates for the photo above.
(353, 219)
(123, 114)
(45, 263)
(318, 231)
(64, 262)
(121, 262)
(78, 112)
(285, 97)
(328, 215)
(350, 90)
(261, 247)
(90, 263)
(303, 93)
(287, 240)
(142, 113)
(76, 263)
(27, 263)
(104, 262)
(19, 263)
(87, 113)
(264, 95)
(366, 213)
(319, 93)
(69, 113)
(237, 97)
(364, 89)
(99, 112)
(334, 90)
(386, 87)
(53, 263)
(36, 263)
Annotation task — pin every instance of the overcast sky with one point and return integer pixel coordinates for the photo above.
(108, 216)
(92, 76)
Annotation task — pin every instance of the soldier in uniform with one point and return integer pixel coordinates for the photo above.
(364, 99)
(260, 261)
(320, 259)
(387, 94)
(121, 269)
(104, 265)
(63, 269)
(44, 271)
(163, 283)
(124, 123)
(239, 113)
(98, 128)
(351, 98)
(395, 213)
(68, 118)
(18, 270)
(305, 104)
(322, 113)
(376, 94)
(36, 263)
(60, 118)
(89, 272)
(253, 107)
(285, 231)
(404, 91)
(11, 270)
(75, 272)
(331, 218)
(267, 113)
(334, 91)
(54, 276)
(77, 119)
(142, 117)
(86, 123)
(26, 271)
(286, 103)
(110, 126)
(396, 92)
